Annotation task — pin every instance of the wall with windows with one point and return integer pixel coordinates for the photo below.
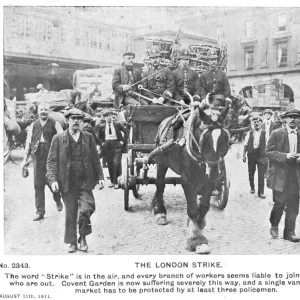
(263, 45)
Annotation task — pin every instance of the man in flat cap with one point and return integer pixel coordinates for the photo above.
(186, 80)
(123, 83)
(39, 136)
(268, 125)
(161, 83)
(73, 168)
(283, 152)
(88, 125)
(113, 137)
(255, 148)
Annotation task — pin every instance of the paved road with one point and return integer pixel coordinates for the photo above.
(242, 228)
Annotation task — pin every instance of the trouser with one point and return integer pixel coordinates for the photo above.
(289, 197)
(39, 173)
(253, 161)
(76, 200)
(113, 155)
(131, 101)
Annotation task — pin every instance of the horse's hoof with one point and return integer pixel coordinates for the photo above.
(161, 219)
(202, 249)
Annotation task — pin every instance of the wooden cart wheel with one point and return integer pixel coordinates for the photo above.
(223, 187)
(136, 189)
(126, 185)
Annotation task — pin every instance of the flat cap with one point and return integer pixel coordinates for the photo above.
(290, 113)
(129, 53)
(268, 111)
(87, 117)
(74, 112)
(108, 112)
(256, 118)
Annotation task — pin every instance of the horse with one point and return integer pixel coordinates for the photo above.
(198, 176)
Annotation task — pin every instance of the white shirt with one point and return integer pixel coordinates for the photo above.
(113, 135)
(75, 136)
(256, 137)
(42, 140)
(268, 124)
(292, 139)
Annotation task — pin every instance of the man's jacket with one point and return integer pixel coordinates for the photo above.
(186, 78)
(214, 81)
(121, 77)
(276, 151)
(58, 162)
(121, 133)
(161, 83)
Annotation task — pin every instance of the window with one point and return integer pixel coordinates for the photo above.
(249, 58)
(246, 92)
(282, 54)
(298, 57)
(282, 23)
(249, 29)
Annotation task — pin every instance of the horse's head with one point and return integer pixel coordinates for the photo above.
(214, 145)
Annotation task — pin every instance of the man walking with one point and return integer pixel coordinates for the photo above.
(268, 125)
(39, 137)
(113, 140)
(73, 168)
(255, 146)
(123, 82)
(283, 151)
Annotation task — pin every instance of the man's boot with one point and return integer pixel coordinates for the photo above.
(83, 246)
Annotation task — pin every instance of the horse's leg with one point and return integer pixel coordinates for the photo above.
(158, 200)
(196, 240)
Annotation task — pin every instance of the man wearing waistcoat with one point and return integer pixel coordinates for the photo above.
(73, 168)
(255, 146)
(39, 137)
(123, 83)
(283, 152)
(113, 140)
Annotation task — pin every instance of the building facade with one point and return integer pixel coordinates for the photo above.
(47, 45)
(263, 51)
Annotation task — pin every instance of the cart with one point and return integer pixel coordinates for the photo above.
(144, 122)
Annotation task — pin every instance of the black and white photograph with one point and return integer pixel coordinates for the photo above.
(151, 130)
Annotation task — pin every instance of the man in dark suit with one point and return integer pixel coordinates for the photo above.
(186, 80)
(73, 168)
(268, 125)
(113, 136)
(283, 151)
(255, 146)
(123, 80)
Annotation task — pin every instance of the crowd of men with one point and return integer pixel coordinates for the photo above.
(68, 162)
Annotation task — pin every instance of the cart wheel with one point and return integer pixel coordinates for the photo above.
(126, 185)
(223, 187)
(136, 189)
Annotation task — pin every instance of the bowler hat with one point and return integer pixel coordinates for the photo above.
(268, 111)
(129, 53)
(290, 113)
(74, 112)
(108, 112)
(184, 53)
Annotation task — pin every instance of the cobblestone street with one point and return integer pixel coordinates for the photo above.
(242, 228)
